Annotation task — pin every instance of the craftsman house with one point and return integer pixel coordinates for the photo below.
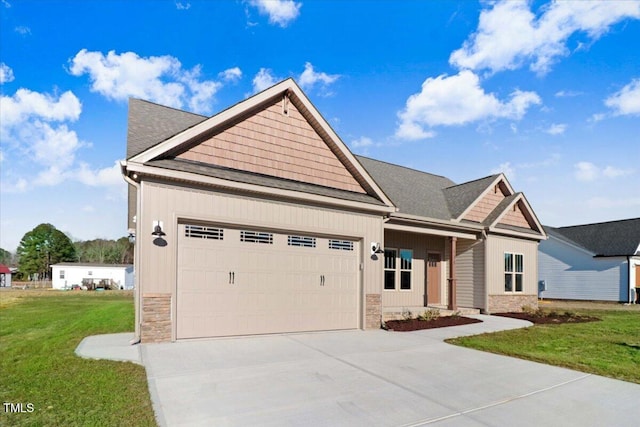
(260, 220)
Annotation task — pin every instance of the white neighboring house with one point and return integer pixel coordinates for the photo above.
(597, 262)
(67, 274)
(5, 276)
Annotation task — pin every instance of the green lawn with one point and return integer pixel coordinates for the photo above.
(39, 331)
(610, 347)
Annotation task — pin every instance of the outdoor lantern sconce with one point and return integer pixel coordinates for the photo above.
(157, 231)
(158, 234)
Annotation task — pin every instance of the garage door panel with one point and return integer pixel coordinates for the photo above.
(277, 287)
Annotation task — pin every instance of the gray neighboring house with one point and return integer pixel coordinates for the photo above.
(597, 262)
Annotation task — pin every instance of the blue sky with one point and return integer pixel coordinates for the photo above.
(547, 92)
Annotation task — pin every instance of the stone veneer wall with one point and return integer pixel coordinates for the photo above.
(512, 302)
(373, 311)
(156, 318)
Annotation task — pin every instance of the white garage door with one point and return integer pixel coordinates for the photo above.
(247, 281)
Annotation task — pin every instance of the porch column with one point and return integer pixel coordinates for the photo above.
(452, 274)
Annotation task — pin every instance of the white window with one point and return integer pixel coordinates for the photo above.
(62, 274)
(398, 265)
(390, 269)
(513, 272)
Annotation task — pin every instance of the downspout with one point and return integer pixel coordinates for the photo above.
(629, 299)
(485, 237)
(452, 274)
(136, 280)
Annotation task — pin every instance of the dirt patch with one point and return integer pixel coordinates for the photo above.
(417, 324)
(551, 318)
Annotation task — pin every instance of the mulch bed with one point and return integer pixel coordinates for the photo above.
(551, 318)
(416, 324)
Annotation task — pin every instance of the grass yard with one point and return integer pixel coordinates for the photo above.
(39, 331)
(610, 347)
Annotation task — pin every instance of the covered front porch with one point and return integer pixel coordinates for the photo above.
(431, 266)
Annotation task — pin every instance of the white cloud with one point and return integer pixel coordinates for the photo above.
(509, 34)
(106, 177)
(507, 169)
(26, 105)
(567, 94)
(362, 142)
(309, 78)
(6, 73)
(627, 100)
(183, 6)
(231, 74)
(6, 4)
(263, 80)
(159, 79)
(587, 171)
(556, 129)
(22, 30)
(457, 100)
(280, 12)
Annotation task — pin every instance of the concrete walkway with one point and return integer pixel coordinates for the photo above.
(370, 378)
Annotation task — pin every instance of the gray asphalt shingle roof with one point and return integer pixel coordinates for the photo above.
(614, 238)
(150, 124)
(412, 191)
(460, 196)
(259, 179)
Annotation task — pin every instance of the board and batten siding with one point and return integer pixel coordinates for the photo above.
(173, 203)
(470, 264)
(496, 246)
(571, 273)
(421, 245)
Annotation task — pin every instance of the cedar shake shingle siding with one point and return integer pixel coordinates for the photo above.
(484, 207)
(275, 144)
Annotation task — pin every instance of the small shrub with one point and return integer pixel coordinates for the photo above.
(406, 314)
(530, 310)
(430, 314)
(456, 314)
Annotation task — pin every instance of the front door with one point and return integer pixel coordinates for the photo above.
(433, 278)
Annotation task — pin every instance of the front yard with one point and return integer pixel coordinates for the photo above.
(610, 347)
(39, 331)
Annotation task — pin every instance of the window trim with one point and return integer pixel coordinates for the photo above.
(398, 270)
(394, 269)
(401, 270)
(513, 273)
(62, 274)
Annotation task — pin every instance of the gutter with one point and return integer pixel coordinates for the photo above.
(136, 256)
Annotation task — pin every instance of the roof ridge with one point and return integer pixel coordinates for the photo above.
(474, 180)
(401, 166)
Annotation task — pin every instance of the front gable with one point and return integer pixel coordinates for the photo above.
(500, 208)
(276, 133)
(276, 141)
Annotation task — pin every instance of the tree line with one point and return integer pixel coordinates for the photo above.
(46, 245)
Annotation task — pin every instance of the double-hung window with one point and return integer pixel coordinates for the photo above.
(513, 272)
(398, 265)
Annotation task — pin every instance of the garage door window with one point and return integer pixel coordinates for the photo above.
(345, 245)
(302, 241)
(256, 237)
(201, 232)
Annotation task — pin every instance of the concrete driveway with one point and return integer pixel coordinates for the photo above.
(374, 378)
